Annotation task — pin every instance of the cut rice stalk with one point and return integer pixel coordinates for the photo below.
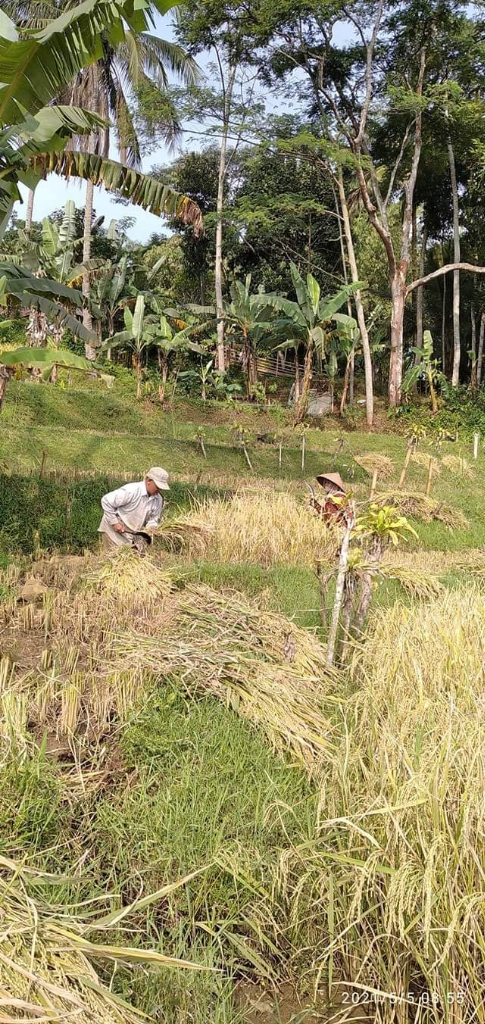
(46, 969)
(415, 582)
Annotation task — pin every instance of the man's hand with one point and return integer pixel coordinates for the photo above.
(119, 528)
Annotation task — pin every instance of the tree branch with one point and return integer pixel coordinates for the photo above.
(368, 75)
(443, 270)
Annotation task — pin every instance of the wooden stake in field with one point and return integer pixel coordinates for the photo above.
(248, 460)
(339, 587)
(476, 438)
(42, 465)
(373, 485)
(280, 454)
(406, 464)
(303, 453)
(202, 445)
(430, 476)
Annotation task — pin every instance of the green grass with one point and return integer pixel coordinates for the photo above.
(197, 782)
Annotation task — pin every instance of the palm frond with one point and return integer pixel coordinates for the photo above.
(140, 189)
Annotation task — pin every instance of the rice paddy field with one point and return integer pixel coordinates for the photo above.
(201, 819)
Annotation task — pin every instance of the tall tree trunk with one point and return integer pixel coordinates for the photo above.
(443, 327)
(346, 382)
(369, 385)
(302, 403)
(398, 293)
(227, 92)
(5, 374)
(138, 369)
(29, 213)
(481, 339)
(420, 295)
(297, 377)
(89, 350)
(473, 373)
(455, 377)
(163, 367)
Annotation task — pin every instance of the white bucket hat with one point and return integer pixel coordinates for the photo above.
(159, 477)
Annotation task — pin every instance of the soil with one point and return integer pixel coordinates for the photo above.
(283, 1005)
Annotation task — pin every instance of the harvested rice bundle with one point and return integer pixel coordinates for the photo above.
(127, 577)
(371, 461)
(270, 670)
(474, 564)
(281, 701)
(231, 619)
(186, 531)
(457, 466)
(422, 459)
(420, 506)
(46, 970)
(262, 527)
(415, 582)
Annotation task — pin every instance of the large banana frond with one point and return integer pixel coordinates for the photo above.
(44, 357)
(140, 189)
(57, 314)
(36, 69)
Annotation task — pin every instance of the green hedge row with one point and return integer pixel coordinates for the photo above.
(64, 513)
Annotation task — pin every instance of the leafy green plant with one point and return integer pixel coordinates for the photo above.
(427, 368)
(308, 321)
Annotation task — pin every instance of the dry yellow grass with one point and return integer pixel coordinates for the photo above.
(398, 850)
(263, 527)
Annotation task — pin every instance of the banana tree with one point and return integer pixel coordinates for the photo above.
(34, 130)
(427, 368)
(170, 342)
(112, 292)
(309, 321)
(248, 319)
(45, 360)
(137, 337)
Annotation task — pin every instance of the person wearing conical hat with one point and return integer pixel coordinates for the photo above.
(334, 487)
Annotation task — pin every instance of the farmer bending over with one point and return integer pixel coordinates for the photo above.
(132, 512)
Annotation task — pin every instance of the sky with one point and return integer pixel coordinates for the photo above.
(53, 193)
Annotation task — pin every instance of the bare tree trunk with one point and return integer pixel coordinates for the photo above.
(369, 385)
(473, 373)
(163, 367)
(398, 292)
(443, 328)
(29, 212)
(297, 377)
(481, 339)
(339, 593)
(227, 93)
(302, 403)
(89, 350)
(455, 377)
(5, 374)
(346, 383)
(420, 296)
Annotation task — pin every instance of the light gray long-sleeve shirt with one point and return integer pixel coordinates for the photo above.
(132, 506)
